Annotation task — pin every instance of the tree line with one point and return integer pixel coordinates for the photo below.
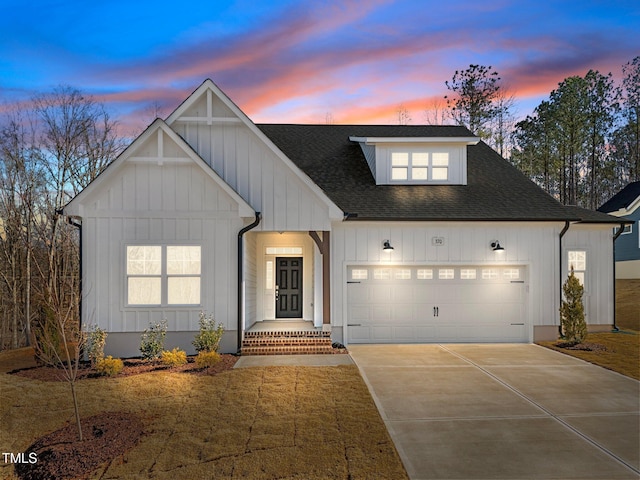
(50, 149)
(582, 144)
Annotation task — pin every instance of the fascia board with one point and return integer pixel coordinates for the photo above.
(380, 140)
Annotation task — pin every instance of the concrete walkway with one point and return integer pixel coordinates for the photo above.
(503, 412)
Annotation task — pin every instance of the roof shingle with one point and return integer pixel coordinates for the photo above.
(496, 190)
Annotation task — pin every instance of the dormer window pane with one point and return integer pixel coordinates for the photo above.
(420, 173)
(399, 166)
(420, 159)
(440, 166)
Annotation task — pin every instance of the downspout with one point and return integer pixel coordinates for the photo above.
(78, 225)
(241, 233)
(562, 232)
(615, 237)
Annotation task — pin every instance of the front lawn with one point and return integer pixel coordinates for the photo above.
(621, 352)
(255, 423)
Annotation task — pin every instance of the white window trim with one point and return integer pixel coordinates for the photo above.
(164, 276)
(583, 273)
(409, 167)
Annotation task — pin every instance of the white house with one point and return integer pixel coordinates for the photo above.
(375, 233)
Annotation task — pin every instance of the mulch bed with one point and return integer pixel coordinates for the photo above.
(60, 455)
(585, 346)
(132, 366)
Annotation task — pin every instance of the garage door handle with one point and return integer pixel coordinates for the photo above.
(436, 311)
(354, 324)
(352, 282)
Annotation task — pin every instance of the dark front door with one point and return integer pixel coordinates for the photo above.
(289, 287)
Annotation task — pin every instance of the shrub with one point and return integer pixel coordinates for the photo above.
(109, 366)
(152, 343)
(174, 357)
(208, 338)
(96, 340)
(574, 327)
(207, 359)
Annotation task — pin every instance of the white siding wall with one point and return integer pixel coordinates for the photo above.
(533, 245)
(254, 171)
(158, 205)
(597, 241)
(250, 279)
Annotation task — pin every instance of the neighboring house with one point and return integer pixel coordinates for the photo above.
(626, 205)
(376, 233)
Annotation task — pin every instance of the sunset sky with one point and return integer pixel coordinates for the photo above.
(289, 61)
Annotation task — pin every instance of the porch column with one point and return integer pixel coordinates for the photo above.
(324, 245)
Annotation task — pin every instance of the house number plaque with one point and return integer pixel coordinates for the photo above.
(437, 241)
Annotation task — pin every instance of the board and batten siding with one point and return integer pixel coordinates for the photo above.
(158, 205)
(597, 241)
(534, 246)
(252, 169)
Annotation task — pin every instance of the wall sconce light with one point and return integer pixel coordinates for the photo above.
(386, 246)
(496, 246)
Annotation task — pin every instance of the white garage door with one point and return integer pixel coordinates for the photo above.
(411, 304)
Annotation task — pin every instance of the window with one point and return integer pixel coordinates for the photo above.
(163, 275)
(489, 273)
(403, 274)
(424, 274)
(512, 273)
(440, 166)
(468, 273)
(283, 250)
(445, 273)
(268, 284)
(420, 166)
(399, 166)
(577, 261)
(381, 274)
(359, 274)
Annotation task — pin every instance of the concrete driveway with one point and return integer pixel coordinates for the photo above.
(503, 412)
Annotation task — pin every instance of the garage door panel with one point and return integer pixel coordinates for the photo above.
(408, 306)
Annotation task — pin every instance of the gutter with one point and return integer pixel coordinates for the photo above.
(615, 237)
(562, 232)
(241, 233)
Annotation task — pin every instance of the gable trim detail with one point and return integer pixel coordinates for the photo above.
(158, 127)
(208, 86)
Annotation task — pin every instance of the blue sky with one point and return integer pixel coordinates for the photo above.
(296, 61)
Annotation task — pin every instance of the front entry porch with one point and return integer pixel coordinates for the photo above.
(286, 337)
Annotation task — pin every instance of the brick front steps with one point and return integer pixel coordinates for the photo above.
(305, 342)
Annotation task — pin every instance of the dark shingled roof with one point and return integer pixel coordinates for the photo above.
(495, 191)
(622, 199)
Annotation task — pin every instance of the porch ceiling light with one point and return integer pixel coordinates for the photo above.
(496, 246)
(386, 246)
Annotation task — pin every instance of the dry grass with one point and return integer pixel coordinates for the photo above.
(255, 423)
(628, 304)
(622, 352)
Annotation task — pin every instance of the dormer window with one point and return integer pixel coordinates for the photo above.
(419, 166)
(417, 160)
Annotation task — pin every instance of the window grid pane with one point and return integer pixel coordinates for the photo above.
(424, 274)
(144, 291)
(445, 273)
(399, 173)
(468, 273)
(359, 274)
(183, 290)
(183, 260)
(381, 274)
(403, 274)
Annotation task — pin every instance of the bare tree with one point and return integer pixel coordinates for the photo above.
(404, 118)
(48, 153)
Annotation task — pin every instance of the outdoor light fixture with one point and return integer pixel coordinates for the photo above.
(496, 246)
(387, 246)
